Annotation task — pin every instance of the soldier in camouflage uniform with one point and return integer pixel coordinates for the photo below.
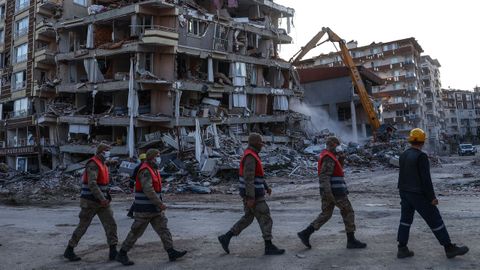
(149, 209)
(95, 200)
(333, 190)
(252, 189)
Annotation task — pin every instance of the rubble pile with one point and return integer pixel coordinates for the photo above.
(22, 187)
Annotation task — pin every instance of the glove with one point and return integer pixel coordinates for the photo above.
(163, 207)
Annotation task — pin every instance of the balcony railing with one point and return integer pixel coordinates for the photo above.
(18, 114)
(21, 142)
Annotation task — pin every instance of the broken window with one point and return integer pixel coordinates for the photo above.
(344, 114)
(221, 38)
(197, 27)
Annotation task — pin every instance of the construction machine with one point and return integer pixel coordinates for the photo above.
(380, 132)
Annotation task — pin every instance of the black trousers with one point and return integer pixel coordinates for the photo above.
(412, 202)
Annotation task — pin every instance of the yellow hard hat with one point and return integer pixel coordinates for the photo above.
(142, 156)
(417, 135)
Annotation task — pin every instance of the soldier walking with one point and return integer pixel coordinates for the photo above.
(333, 191)
(142, 158)
(417, 194)
(149, 209)
(252, 189)
(95, 200)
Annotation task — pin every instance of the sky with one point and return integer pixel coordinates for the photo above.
(446, 30)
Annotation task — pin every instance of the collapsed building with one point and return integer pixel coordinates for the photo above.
(139, 74)
(330, 90)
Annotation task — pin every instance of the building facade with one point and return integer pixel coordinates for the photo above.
(462, 115)
(136, 74)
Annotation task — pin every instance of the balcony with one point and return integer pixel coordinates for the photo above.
(45, 31)
(160, 35)
(408, 62)
(44, 56)
(48, 7)
(428, 100)
(410, 76)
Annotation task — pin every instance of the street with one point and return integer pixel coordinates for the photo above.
(35, 237)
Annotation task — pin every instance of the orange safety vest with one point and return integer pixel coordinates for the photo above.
(103, 179)
(259, 175)
(337, 180)
(142, 203)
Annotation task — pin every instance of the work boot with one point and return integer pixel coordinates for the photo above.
(271, 249)
(225, 241)
(113, 252)
(404, 252)
(173, 254)
(305, 236)
(70, 254)
(452, 250)
(353, 242)
(122, 257)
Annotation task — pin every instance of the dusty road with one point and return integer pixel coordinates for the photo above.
(34, 238)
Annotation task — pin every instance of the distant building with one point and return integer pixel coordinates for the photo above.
(398, 63)
(331, 89)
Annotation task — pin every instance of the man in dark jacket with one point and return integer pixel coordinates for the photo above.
(417, 194)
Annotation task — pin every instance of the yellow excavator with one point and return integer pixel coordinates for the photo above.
(380, 132)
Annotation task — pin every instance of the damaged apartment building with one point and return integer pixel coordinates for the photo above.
(405, 102)
(137, 73)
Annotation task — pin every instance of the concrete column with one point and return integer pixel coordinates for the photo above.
(210, 70)
(364, 130)
(354, 121)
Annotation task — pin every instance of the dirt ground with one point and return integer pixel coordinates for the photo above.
(35, 237)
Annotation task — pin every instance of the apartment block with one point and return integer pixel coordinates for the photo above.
(138, 74)
(462, 115)
(399, 64)
(432, 87)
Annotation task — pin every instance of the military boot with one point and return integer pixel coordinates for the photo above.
(452, 250)
(173, 254)
(225, 241)
(122, 257)
(353, 242)
(113, 252)
(404, 252)
(305, 236)
(70, 254)
(271, 249)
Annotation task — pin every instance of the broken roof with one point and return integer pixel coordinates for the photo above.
(326, 73)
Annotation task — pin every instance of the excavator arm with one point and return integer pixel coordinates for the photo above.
(350, 64)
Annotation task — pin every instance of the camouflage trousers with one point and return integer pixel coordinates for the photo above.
(346, 211)
(89, 210)
(159, 224)
(262, 213)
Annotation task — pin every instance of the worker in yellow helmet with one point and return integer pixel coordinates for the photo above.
(417, 194)
(142, 158)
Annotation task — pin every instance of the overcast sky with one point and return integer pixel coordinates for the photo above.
(446, 30)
